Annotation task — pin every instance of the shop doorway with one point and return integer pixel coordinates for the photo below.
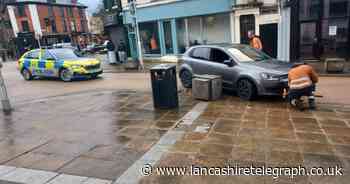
(247, 23)
(268, 35)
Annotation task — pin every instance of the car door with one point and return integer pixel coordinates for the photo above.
(47, 64)
(200, 60)
(218, 67)
(33, 58)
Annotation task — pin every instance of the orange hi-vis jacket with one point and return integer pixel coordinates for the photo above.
(255, 42)
(301, 77)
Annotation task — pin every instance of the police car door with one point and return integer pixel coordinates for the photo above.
(47, 63)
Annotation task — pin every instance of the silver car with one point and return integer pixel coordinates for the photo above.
(246, 70)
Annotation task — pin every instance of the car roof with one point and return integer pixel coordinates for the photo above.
(222, 45)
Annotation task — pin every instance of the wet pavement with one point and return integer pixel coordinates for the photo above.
(94, 135)
(102, 134)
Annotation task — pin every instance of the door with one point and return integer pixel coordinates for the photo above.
(168, 39)
(217, 67)
(33, 58)
(309, 40)
(247, 23)
(47, 64)
(268, 35)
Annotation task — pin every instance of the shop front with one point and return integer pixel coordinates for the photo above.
(165, 29)
(321, 29)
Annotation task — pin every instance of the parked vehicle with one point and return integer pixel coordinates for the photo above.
(246, 70)
(95, 48)
(63, 63)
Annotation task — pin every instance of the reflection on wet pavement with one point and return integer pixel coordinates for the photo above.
(95, 135)
(102, 135)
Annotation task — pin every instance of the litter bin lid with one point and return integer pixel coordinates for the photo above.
(163, 67)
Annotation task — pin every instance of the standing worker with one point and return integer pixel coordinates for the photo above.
(111, 52)
(302, 80)
(255, 41)
(122, 52)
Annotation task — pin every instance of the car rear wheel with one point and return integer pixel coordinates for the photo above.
(246, 89)
(26, 74)
(94, 76)
(66, 75)
(186, 78)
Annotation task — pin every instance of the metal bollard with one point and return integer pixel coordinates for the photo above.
(5, 101)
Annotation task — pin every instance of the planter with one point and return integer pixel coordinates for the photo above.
(334, 65)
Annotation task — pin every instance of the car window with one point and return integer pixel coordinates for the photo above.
(201, 53)
(64, 54)
(218, 56)
(248, 54)
(32, 55)
(47, 56)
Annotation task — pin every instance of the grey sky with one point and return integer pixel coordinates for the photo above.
(92, 4)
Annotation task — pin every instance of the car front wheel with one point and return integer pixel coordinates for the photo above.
(186, 78)
(26, 74)
(66, 75)
(246, 89)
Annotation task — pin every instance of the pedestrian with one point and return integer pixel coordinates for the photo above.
(111, 52)
(302, 80)
(255, 41)
(122, 52)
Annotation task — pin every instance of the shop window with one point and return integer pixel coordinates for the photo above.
(215, 29)
(181, 35)
(149, 37)
(338, 8)
(25, 26)
(195, 30)
(168, 39)
(21, 10)
(309, 9)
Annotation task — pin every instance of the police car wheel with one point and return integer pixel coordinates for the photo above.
(94, 76)
(26, 74)
(66, 75)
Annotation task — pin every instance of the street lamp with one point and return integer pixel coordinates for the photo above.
(133, 13)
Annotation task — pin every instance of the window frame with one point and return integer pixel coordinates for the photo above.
(221, 50)
(200, 58)
(31, 53)
(21, 10)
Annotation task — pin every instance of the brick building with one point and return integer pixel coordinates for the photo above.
(53, 21)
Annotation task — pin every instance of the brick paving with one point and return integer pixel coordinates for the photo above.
(262, 133)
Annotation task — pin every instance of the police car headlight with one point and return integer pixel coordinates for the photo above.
(268, 76)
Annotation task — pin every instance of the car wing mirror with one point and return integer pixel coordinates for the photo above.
(229, 63)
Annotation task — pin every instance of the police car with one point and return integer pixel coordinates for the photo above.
(63, 63)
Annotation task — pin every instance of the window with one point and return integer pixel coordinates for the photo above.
(53, 26)
(338, 8)
(33, 55)
(64, 25)
(200, 53)
(150, 37)
(47, 56)
(50, 9)
(70, 11)
(62, 12)
(25, 26)
(218, 56)
(82, 13)
(21, 10)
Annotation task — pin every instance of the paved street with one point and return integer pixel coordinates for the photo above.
(106, 129)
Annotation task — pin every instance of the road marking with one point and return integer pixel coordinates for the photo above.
(133, 174)
(31, 176)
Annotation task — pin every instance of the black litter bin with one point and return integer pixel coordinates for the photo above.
(164, 86)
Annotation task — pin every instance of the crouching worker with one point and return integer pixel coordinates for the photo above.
(302, 81)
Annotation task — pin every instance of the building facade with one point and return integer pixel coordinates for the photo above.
(171, 26)
(318, 29)
(51, 21)
(113, 22)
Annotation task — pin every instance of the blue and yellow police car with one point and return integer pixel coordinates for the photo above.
(63, 63)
